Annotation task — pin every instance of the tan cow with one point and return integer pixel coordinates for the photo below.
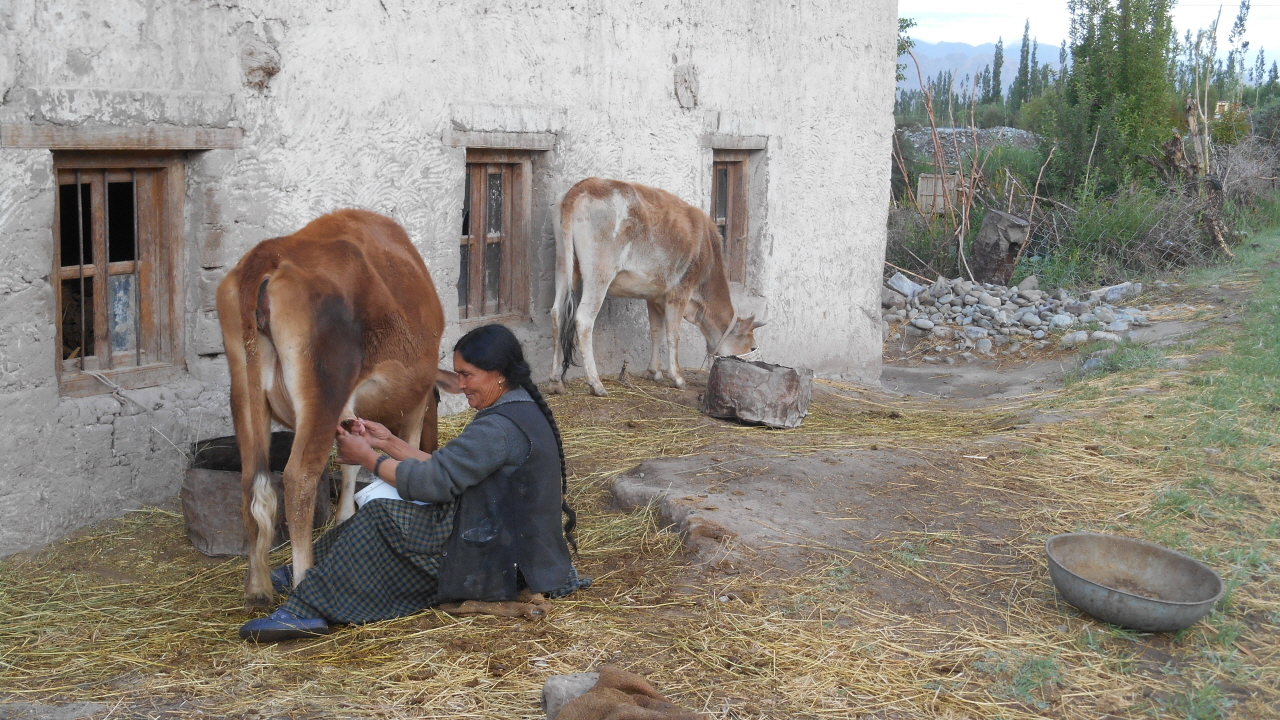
(337, 320)
(628, 240)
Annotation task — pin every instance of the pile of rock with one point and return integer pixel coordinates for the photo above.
(957, 141)
(962, 315)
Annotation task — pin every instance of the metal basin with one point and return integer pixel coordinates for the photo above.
(1133, 583)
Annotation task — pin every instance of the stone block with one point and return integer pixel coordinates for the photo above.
(758, 392)
(560, 689)
(211, 496)
(900, 284)
(209, 280)
(891, 298)
(996, 248)
(208, 334)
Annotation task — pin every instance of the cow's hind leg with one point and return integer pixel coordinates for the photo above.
(320, 351)
(347, 498)
(585, 320)
(675, 312)
(258, 499)
(307, 462)
(260, 504)
(657, 324)
(562, 306)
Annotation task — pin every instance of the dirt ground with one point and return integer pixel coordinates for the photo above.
(889, 537)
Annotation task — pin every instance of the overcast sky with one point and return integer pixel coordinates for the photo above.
(985, 22)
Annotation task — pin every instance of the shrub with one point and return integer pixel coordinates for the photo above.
(921, 244)
(1231, 127)
(1106, 239)
(1266, 123)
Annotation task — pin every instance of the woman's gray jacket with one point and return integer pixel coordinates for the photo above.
(506, 466)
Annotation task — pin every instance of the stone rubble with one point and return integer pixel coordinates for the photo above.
(960, 315)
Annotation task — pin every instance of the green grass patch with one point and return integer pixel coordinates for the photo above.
(1103, 358)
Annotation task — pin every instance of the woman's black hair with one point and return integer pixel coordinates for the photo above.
(495, 347)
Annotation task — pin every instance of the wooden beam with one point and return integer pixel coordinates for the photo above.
(734, 142)
(101, 137)
(500, 140)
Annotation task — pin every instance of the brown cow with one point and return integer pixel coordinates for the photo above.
(628, 240)
(340, 319)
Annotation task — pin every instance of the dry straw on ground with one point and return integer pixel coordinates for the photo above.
(128, 615)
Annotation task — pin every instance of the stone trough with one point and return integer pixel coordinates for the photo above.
(211, 495)
(758, 393)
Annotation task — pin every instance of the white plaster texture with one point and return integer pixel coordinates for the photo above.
(357, 116)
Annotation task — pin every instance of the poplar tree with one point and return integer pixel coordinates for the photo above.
(997, 90)
(1019, 93)
(1118, 90)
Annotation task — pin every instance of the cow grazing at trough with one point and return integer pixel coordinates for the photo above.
(337, 320)
(628, 240)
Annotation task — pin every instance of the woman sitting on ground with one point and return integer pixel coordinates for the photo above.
(491, 525)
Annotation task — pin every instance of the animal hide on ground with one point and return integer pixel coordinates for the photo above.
(620, 695)
(530, 607)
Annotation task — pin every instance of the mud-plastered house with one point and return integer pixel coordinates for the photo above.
(146, 145)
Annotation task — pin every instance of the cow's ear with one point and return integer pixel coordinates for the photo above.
(447, 380)
(754, 322)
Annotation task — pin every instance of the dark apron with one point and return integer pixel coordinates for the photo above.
(508, 527)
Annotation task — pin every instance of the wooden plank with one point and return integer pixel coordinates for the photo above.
(173, 246)
(101, 308)
(479, 228)
(70, 160)
(733, 155)
(57, 266)
(101, 137)
(523, 249)
(148, 234)
(719, 141)
(737, 221)
(500, 140)
(78, 384)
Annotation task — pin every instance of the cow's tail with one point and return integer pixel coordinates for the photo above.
(568, 337)
(253, 419)
(567, 295)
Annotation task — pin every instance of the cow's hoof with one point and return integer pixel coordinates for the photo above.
(654, 375)
(599, 391)
(678, 383)
(555, 387)
(257, 601)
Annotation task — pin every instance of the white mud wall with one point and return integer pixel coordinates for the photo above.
(357, 116)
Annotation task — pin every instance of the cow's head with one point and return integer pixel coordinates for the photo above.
(739, 338)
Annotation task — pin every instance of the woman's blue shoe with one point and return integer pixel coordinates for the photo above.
(282, 579)
(283, 625)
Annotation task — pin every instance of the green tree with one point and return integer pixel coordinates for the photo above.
(1021, 90)
(1118, 91)
(905, 43)
(997, 90)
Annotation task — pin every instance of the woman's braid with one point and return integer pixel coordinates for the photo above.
(522, 376)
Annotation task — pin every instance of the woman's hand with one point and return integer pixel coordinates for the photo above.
(376, 434)
(354, 449)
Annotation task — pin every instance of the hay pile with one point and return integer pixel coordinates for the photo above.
(128, 615)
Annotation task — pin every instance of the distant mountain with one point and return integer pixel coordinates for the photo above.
(964, 59)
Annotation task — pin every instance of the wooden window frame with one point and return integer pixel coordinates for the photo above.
(512, 304)
(733, 224)
(159, 233)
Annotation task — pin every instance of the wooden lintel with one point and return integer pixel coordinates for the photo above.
(717, 141)
(103, 137)
(500, 140)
